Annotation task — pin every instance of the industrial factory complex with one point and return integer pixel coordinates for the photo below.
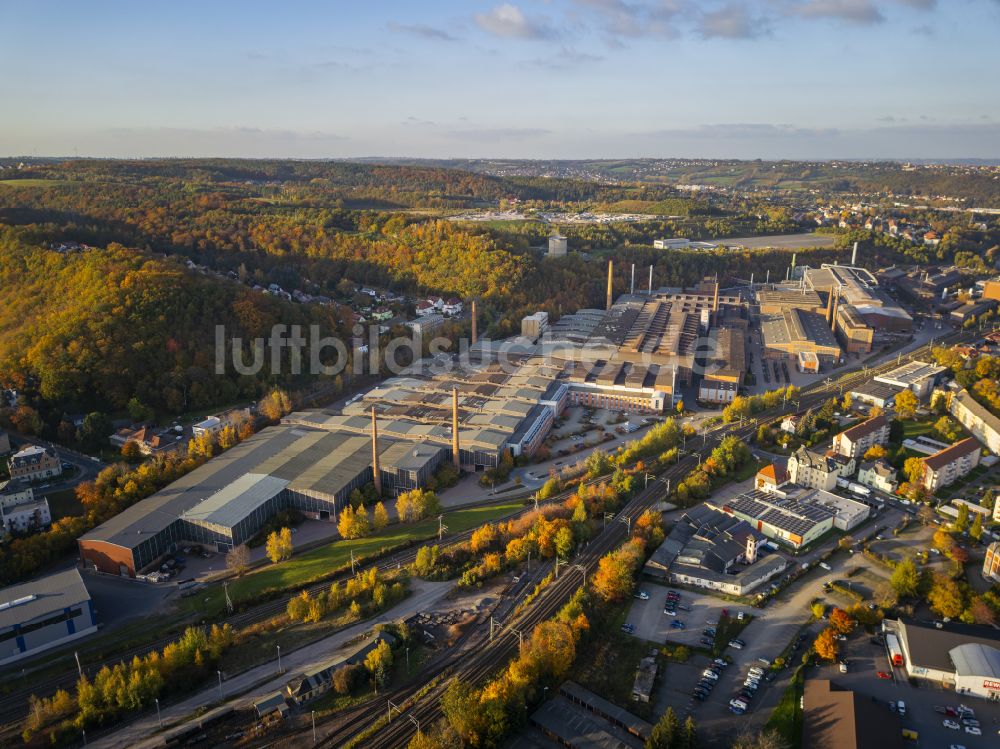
(636, 355)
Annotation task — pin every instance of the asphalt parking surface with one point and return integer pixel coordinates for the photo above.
(866, 659)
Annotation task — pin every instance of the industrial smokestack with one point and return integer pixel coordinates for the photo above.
(455, 455)
(473, 322)
(827, 313)
(611, 264)
(632, 287)
(854, 255)
(376, 471)
(833, 317)
(794, 255)
(651, 280)
(715, 297)
(751, 280)
(767, 278)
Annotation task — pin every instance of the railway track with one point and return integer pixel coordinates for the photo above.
(13, 706)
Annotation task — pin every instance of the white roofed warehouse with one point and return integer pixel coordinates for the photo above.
(44, 613)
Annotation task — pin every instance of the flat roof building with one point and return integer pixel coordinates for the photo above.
(44, 613)
(918, 376)
(784, 518)
(793, 331)
(964, 657)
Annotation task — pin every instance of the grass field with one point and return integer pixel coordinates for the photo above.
(786, 719)
(64, 504)
(326, 560)
(33, 182)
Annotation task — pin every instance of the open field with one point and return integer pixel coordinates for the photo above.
(781, 241)
(325, 560)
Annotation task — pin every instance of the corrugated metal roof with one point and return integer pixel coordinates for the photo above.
(36, 598)
(232, 504)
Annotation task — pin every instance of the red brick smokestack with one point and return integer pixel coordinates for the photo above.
(376, 471)
(455, 455)
(611, 264)
(474, 322)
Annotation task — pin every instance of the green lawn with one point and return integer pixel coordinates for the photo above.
(787, 716)
(64, 503)
(34, 182)
(326, 560)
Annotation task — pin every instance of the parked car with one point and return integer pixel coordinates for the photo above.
(883, 675)
(950, 724)
(736, 644)
(677, 624)
(901, 707)
(708, 674)
(720, 662)
(630, 628)
(642, 595)
(973, 731)
(706, 641)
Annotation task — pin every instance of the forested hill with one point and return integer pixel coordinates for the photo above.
(90, 330)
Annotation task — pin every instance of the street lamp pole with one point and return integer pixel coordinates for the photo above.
(158, 718)
(279, 658)
(220, 684)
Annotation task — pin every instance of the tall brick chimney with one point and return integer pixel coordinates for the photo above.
(833, 317)
(611, 264)
(474, 337)
(455, 455)
(376, 471)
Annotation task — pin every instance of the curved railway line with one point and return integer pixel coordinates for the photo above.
(489, 656)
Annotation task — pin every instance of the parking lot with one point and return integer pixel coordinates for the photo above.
(865, 659)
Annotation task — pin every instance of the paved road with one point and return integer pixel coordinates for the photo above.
(766, 636)
(243, 689)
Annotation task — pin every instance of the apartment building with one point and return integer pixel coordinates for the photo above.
(856, 441)
(819, 470)
(974, 416)
(33, 462)
(949, 465)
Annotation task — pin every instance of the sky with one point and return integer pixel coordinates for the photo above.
(798, 79)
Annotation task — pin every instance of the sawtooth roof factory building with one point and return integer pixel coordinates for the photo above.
(396, 438)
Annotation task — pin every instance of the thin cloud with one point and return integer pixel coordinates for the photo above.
(855, 11)
(723, 131)
(509, 21)
(636, 19)
(565, 59)
(732, 21)
(423, 31)
(499, 133)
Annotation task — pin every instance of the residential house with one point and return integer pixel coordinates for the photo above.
(856, 441)
(151, 441)
(877, 474)
(452, 307)
(771, 477)
(425, 308)
(15, 493)
(790, 423)
(949, 465)
(32, 462)
(819, 470)
(975, 417)
(26, 518)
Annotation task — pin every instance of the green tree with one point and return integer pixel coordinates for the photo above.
(665, 732)
(976, 530)
(961, 523)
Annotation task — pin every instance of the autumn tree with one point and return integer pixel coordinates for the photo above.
(483, 538)
(945, 597)
(907, 404)
(841, 621)
(665, 732)
(417, 504)
(913, 469)
(353, 523)
(976, 529)
(379, 662)
(279, 545)
(905, 578)
(826, 645)
(875, 452)
(238, 559)
(380, 517)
